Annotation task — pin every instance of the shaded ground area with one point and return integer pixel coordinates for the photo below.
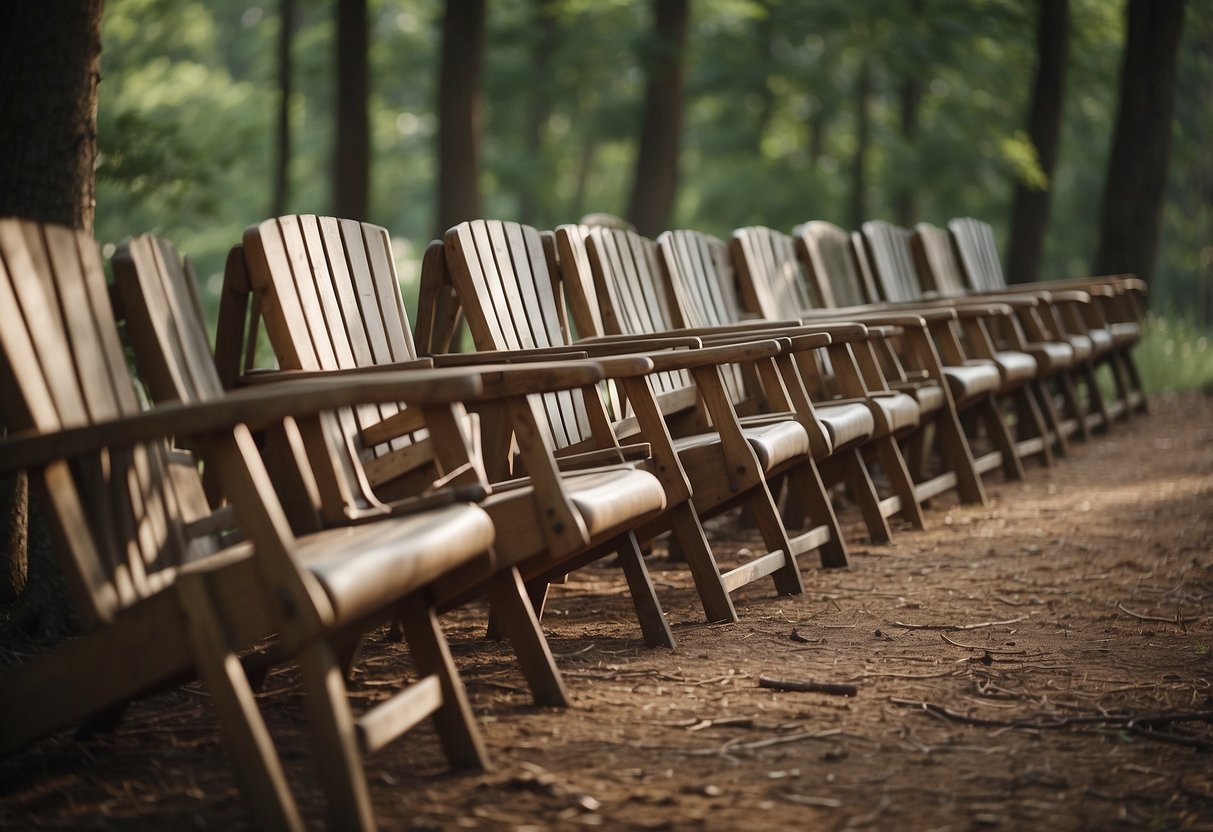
(1045, 660)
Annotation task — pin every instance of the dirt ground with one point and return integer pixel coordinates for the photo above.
(1041, 661)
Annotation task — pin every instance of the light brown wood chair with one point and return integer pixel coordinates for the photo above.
(332, 483)
(327, 294)
(889, 252)
(1112, 320)
(504, 285)
(155, 606)
(616, 277)
(1062, 359)
(926, 361)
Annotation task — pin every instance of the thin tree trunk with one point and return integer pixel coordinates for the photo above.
(655, 184)
(352, 162)
(863, 94)
(459, 113)
(1141, 145)
(538, 182)
(1030, 212)
(50, 65)
(282, 161)
(909, 95)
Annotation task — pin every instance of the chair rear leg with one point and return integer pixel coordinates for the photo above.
(653, 624)
(688, 532)
(1098, 405)
(895, 469)
(808, 482)
(1073, 405)
(334, 740)
(1030, 423)
(958, 456)
(432, 656)
(514, 615)
(863, 491)
(1052, 419)
(248, 742)
(1000, 436)
(770, 525)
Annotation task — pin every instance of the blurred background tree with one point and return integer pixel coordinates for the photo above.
(791, 111)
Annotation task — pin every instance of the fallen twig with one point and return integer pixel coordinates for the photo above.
(1143, 617)
(986, 649)
(808, 686)
(956, 627)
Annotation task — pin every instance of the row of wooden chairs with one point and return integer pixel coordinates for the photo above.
(622, 388)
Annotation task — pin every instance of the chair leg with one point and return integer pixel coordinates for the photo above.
(248, 742)
(770, 525)
(1143, 405)
(1052, 419)
(432, 656)
(653, 624)
(334, 741)
(1122, 385)
(863, 491)
(1098, 404)
(513, 613)
(1030, 422)
(808, 482)
(958, 456)
(1073, 405)
(894, 465)
(688, 532)
(996, 428)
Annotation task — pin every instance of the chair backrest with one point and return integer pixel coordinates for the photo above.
(327, 292)
(577, 278)
(937, 260)
(699, 278)
(892, 260)
(500, 274)
(830, 263)
(978, 253)
(118, 515)
(620, 268)
(769, 275)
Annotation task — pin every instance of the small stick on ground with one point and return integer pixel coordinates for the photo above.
(808, 686)
(1160, 619)
(979, 625)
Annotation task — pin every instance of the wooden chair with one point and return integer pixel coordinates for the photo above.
(890, 253)
(771, 281)
(155, 609)
(327, 293)
(334, 484)
(928, 362)
(633, 297)
(1061, 358)
(499, 272)
(1112, 321)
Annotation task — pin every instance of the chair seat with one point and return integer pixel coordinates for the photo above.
(1125, 333)
(1052, 356)
(974, 379)
(364, 567)
(1015, 367)
(1101, 339)
(899, 411)
(846, 423)
(1083, 348)
(774, 443)
(607, 499)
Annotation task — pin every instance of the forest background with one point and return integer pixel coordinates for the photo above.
(836, 109)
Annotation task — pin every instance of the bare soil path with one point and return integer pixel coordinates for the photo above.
(1044, 661)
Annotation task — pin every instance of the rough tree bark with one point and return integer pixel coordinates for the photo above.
(352, 162)
(282, 161)
(1030, 212)
(1141, 145)
(50, 64)
(655, 183)
(459, 113)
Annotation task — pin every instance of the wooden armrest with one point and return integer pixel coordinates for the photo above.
(508, 380)
(256, 407)
(605, 456)
(736, 353)
(641, 344)
(271, 376)
(1069, 296)
(474, 359)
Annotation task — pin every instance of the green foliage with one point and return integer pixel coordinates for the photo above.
(189, 99)
(1175, 355)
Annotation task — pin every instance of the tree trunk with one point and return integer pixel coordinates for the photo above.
(459, 113)
(909, 95)
(655, 184)
(1137, 167)
(863, 95)
(1030, 212)
(282, 161)
(352, 163)
(538, 181)
(50, 65)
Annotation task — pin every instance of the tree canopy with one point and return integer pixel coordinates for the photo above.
(188, 118)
